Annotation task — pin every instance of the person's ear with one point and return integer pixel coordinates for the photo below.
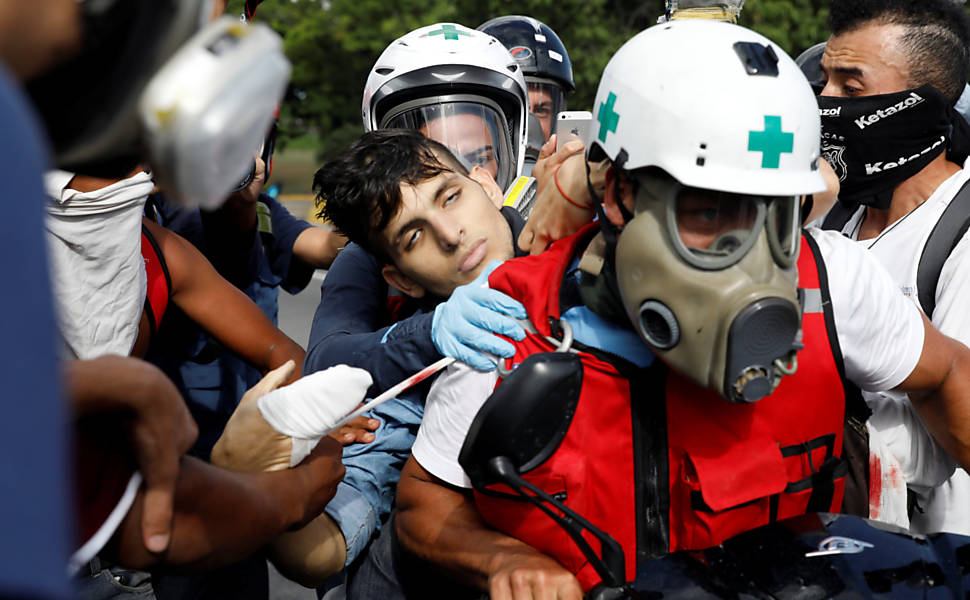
(610, 206)
(485, 179)
(399, 280)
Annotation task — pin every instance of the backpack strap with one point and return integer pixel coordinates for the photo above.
(947, 232)
(159, 288)
(838, 215)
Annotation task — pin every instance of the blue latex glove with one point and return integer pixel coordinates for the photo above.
(462, 327)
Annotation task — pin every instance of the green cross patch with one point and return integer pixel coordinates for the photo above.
(607, 117)
(450, 32)
(771, 143)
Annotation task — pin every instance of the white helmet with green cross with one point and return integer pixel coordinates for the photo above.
(715, 105)
(458, 86)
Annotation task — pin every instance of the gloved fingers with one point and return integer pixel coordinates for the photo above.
(477, 360)
(496, 301)
(492, 345)
(480, 335)
(495, 324)
(486, 342)
(483, 276)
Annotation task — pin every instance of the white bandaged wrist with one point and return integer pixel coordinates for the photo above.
(308, 408)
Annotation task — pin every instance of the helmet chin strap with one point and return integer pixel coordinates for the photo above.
(610, 231)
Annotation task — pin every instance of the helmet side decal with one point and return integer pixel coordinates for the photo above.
(607, 117)
(772, 142)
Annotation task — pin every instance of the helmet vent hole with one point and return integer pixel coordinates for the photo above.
(512, 68)
(658, 325)
(700, 161)
(703, 146)
(384, 70)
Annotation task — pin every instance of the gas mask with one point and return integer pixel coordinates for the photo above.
(709, 281)
(206, 112)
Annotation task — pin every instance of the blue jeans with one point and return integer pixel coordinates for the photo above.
(388, 572)
(99, 582)
(366, 495)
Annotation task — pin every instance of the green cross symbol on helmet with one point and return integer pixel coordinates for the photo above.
(772, 142)
(449, 31)
(607, 117)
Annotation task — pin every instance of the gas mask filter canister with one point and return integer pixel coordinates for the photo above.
(207, 110)
(709, 282)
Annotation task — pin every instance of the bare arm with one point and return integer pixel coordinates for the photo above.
(554, 217)
(312, 554)
(221, 309)
(440, 524)
(318, 246)
(223, 516)
(939, 388)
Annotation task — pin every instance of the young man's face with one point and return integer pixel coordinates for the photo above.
(864, 62)
(542, 106)
(447, 231)
(468, 136)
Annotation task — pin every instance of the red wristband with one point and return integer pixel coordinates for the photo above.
(555, 179)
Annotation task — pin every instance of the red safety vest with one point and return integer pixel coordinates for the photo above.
(662, 464)
(159, 282)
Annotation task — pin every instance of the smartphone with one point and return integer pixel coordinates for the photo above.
(572, 124)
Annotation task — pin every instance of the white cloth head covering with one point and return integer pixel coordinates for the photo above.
(98, 272)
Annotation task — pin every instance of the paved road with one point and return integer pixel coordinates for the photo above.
(296, 312)
(295, 316)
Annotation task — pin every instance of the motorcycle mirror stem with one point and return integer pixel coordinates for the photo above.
(609, 564)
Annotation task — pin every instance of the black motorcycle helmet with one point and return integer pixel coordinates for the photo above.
(544, 62)
(809, 62)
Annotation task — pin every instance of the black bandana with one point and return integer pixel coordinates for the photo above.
(874, 143)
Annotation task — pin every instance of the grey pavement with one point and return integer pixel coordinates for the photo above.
(295, 317)
(296, 311)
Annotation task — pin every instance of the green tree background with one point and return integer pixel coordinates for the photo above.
(333, 44)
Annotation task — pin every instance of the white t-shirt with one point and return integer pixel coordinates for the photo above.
(880, 332)
(925, 466)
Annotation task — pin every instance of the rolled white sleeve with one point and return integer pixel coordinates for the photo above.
(453, 401)
(880, 331)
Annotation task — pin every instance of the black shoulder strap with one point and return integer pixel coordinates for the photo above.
(838, 215)
(947, 232)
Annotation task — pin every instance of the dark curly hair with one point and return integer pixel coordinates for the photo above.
(360, 190)
(935, 41)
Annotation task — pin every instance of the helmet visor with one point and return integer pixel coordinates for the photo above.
(475, 132)
(546, 101)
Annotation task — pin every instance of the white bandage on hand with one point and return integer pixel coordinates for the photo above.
(275, 429)
(308, 409)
